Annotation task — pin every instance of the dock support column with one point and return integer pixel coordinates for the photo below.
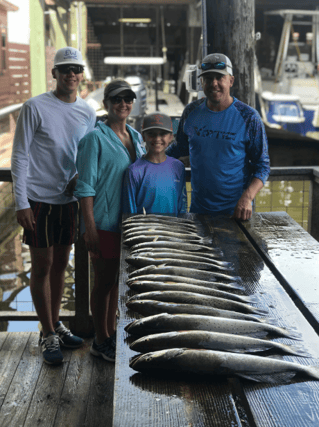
(314, 205)
(229, 28)
(37, 47)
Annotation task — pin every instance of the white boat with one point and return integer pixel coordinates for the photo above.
(289, 98)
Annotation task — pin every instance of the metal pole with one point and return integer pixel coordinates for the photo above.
(156, 92)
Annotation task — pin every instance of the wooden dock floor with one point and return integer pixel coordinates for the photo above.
(78, 393)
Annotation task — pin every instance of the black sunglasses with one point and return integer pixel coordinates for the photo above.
(118, 99)
(66, 69)
(216, 66)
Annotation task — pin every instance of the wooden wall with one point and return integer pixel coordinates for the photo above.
(15, 78)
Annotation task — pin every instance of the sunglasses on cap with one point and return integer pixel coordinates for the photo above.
(118, 99)
(215, 66)
(67, 69)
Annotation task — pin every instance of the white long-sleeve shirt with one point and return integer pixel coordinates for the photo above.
(45, 148)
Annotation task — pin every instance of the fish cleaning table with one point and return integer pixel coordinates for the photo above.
(260, 250)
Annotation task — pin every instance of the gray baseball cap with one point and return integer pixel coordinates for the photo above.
(216, 63)
(117, 86)
(157, 120)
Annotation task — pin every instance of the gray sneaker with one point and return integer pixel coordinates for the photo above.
(105, 350)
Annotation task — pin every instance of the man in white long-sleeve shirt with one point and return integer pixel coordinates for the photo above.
(48, 131)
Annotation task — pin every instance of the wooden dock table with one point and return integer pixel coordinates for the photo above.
(142, 400)
(293, 256)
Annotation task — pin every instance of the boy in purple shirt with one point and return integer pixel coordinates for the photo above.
(155, 182)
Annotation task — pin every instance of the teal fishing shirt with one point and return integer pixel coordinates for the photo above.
(101, 163)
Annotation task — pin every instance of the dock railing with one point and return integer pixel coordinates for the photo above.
(80, 320)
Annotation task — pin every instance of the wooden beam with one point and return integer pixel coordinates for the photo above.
(9, 7)
(139, 2)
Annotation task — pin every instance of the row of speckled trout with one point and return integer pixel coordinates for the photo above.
(194, 321)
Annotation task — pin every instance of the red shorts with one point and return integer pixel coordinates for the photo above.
(110, 244)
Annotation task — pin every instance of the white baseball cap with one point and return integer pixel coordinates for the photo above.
(68, 55)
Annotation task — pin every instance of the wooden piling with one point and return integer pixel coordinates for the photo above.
(229, 28)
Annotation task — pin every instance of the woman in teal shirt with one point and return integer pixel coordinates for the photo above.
(103, 157)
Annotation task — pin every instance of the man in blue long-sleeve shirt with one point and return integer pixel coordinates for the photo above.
(226, 143)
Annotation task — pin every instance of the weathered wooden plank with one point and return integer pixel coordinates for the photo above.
(3, 337)
(268, 406)
(76, 391)
(19, 395)
(99, 408)
(292, 255)
(32, 315)
(18, 47)
(10, 355)
(46, 397)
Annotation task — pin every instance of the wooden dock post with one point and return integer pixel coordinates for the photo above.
(229, 28)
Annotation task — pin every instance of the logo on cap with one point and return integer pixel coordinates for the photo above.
(157, 120)
(68, 54)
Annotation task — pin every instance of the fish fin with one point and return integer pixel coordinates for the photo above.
(260, 311)
(257, 334)
(144, 211)
(254, 298)
(270, 320)
(273, 378)
(297, 350)
(232, 285)
(250, 298)
(293, 334)
(206, 241)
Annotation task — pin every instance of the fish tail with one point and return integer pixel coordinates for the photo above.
(291, 333)
(269, 320)
(313, 371)
(260, 311)
(205, 241)
(273, 378)
(296, 350)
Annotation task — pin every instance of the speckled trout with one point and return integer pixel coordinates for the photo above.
(177, 245)
(184, 256)
(164, 218)
(212, 341)
(143, 261)
(163, 231)
(217, 254)
(191, 322)
(184, 279)
(157, 227)
(148, 286)
(210, 362)
(152, 238)
(199, 299)
(183, 271)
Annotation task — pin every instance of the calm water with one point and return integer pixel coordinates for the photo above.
(14, 284)
(289, 196)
